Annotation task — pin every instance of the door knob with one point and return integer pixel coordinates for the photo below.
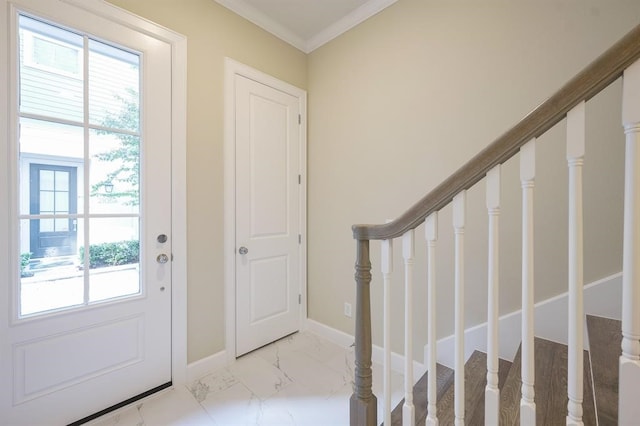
(243, 250)
(162, 258)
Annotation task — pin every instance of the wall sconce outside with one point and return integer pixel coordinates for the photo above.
(108, 188)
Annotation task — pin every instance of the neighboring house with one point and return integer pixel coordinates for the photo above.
(52, 154)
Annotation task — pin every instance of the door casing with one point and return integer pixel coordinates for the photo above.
(178, 164)
(233, 68)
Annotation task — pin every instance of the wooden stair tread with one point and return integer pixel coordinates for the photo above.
(444, 380)
(550, 387)
(605, 338)
(510, 393)
(475, 382)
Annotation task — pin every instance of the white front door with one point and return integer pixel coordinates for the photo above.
(85, 288)
(268, 214)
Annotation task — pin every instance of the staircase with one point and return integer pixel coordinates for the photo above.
(600, 379)
(547, 383)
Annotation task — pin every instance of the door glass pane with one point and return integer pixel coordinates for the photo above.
(115, 172)
(62, 181)
(62, 202)
(46, 180)
(46, 202)
(57, 147)
(51, 70)
(49, 281)
(113, 87)
(56, 270)
(114, 258)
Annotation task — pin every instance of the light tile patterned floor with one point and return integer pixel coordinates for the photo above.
(300, 380)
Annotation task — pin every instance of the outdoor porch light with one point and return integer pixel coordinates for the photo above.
(108, 188)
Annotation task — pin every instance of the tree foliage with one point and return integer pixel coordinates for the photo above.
(124, 179)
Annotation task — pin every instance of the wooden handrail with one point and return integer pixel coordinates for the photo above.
(586, 84)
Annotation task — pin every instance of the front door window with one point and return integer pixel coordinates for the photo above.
(79, 154)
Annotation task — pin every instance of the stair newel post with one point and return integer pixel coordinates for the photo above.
(492, 392)
(387, 269)
(459, 213)
(431, 234)
(527, 179)
(363, 403)
(575, 160)
(408, 253)
(629, 409)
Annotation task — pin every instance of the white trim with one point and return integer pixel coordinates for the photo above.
(354, 18)
(253, 15)
(231, 69)
(334, 30)
(601, 298)
(345, 340)
(202, 367)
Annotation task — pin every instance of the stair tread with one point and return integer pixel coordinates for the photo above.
(444, 379)
(510, 392)
(605, 338)
(475, 382)
(550, 387)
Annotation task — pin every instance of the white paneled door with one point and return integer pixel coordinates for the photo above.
(268, 214)
(85, 321)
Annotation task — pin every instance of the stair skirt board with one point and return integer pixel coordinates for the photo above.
(601, 298)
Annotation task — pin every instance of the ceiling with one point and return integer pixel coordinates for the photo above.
(306, 24)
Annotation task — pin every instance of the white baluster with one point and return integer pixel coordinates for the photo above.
(431, 233)
(459, 202)
(629, 409)
(408, 252)
(527, 178)
(575, 159)
(387, 269)
(492, 393)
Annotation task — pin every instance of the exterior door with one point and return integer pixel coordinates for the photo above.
(268, 222)
(86, 272)
(53, 191)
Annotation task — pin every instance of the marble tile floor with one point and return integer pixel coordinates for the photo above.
(300, 380)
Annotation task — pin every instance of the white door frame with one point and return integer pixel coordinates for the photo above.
(178, 44)
(231, 69)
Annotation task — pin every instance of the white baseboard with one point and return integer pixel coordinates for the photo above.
(345, 340)
(204, 366)
(601, 298)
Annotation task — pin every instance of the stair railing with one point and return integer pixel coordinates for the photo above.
(620, 60)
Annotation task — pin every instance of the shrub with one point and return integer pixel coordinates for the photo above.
(24, 262)
(112, 254)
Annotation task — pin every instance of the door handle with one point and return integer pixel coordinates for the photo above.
(243, 250)
(162, 258)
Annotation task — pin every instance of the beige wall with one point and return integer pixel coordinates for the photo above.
(213, 32)
(404, 99)
(395, 106)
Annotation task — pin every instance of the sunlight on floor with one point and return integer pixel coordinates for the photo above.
(302, 379)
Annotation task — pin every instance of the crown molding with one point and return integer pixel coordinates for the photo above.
(359, 15)
(263, 21)
(349, 21)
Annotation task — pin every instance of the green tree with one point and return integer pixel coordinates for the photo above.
(124, 180)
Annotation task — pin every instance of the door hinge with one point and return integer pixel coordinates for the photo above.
(299, 119)
(299, 299)
(299, 238)
(299, 179)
